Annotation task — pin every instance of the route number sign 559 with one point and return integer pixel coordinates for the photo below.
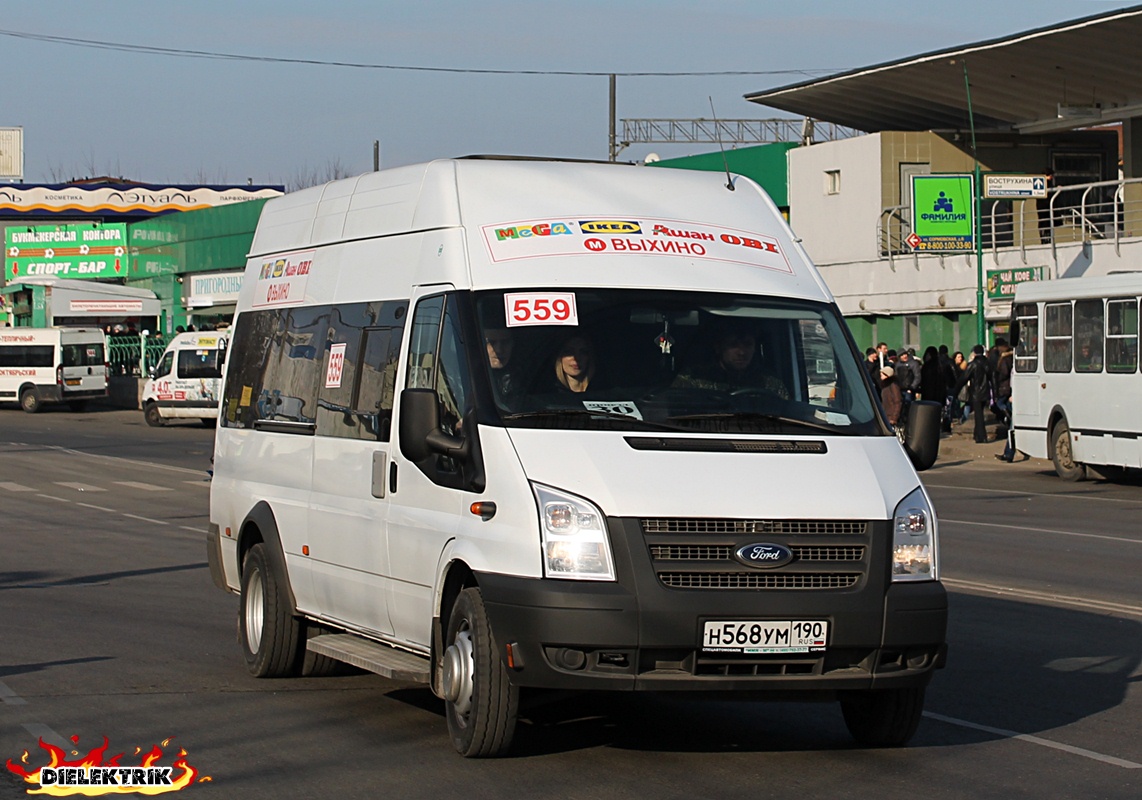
(540, 308)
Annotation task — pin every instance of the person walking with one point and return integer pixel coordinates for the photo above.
(980, 382)
(932, 385)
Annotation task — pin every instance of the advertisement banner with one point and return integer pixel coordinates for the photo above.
(82, 250)
(943, 219)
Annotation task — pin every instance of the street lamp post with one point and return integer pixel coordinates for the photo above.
(980, 328)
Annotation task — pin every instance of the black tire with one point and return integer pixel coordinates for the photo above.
(153, 417)
(1062, 455)
(77, 405)
(31, 401)
(480, 701)
(884, 717)
(271, 637)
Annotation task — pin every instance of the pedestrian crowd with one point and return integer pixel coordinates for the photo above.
(965, 386)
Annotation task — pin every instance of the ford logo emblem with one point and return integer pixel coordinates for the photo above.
(764, 555)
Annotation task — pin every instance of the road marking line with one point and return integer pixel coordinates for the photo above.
(50, 736)
(80, 487)
(146, 487)
(53, 497)
(10, 697)
(192, 530)
(1055, 495)
(1031, 594)
(16, 487)
(1040, 530)
(1066, 748)
(146, 519)
(97, 508)
(149, 464)
(204, 483)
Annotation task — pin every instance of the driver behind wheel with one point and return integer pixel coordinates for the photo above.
(735, 365)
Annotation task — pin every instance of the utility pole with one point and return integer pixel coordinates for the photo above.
(980, 327)
(376, 155)
(612, 148)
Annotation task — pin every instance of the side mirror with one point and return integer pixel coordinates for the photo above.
(420, 434)
(922, 439)
(419, 416)
(1014, 333)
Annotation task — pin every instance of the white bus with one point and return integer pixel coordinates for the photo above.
(1075, 388)
(52, 365)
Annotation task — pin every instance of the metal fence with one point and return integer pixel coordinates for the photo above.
(134, 354)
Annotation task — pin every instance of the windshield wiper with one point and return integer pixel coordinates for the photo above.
(753, 416)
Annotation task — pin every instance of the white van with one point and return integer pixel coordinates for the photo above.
(185, 383)
(52, 365)
(508, 426)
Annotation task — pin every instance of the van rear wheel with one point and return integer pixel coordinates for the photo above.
(481, 703)
(31, 401)
(271, 637)
(883, 717)
(153, 417)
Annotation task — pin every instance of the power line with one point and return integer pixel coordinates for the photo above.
(208, 54)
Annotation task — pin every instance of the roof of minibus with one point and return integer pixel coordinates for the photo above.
(1124, 284)
(534, 222)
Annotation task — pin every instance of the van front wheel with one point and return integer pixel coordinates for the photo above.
(271, 636)
(153, 417)
(1063, 456)
(883, 717)
(481, 703)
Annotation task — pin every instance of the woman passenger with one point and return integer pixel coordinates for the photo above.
(575, 364)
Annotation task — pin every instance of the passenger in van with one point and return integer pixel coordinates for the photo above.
(575, 364)
(500, 344)
(735, 366)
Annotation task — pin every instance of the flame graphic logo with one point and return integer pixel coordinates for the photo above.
(181, 774)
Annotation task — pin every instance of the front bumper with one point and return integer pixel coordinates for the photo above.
(638, 634)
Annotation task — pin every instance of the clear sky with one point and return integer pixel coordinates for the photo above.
(161, 118)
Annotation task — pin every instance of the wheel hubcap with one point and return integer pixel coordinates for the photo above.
(255, 611)
(458, 666)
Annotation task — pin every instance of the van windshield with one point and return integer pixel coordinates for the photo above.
(644, 359)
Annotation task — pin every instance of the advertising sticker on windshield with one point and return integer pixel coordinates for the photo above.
(575, 236)
(540, 308)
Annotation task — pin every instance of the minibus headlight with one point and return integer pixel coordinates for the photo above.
(914, 548)
(574, 535)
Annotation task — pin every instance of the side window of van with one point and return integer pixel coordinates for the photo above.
(24, 355)
(436, 360)
(355, 399)
(164, 367)
(279, 356)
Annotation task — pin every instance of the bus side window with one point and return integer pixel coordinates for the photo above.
(1122, 335)
(1057, 337)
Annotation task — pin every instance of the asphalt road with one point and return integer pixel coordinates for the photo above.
(111, 627)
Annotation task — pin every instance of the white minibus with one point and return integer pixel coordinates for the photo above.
(185, 383)
(1075, 387)
(511, 426)
(52, 365)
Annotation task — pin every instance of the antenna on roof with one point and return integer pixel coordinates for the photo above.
(718, 134)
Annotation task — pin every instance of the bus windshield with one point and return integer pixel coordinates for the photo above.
(646, 360)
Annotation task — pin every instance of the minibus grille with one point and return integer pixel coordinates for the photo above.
(759, 580)
(786, 527)
(699, 553)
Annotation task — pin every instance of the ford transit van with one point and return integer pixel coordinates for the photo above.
(185, 383)
(52, 365)
(508, 426)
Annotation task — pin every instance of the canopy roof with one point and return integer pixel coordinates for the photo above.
(1075, 74)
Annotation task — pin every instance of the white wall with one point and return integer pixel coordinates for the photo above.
(836, 227)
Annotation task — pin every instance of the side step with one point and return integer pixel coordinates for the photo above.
(388, 662)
